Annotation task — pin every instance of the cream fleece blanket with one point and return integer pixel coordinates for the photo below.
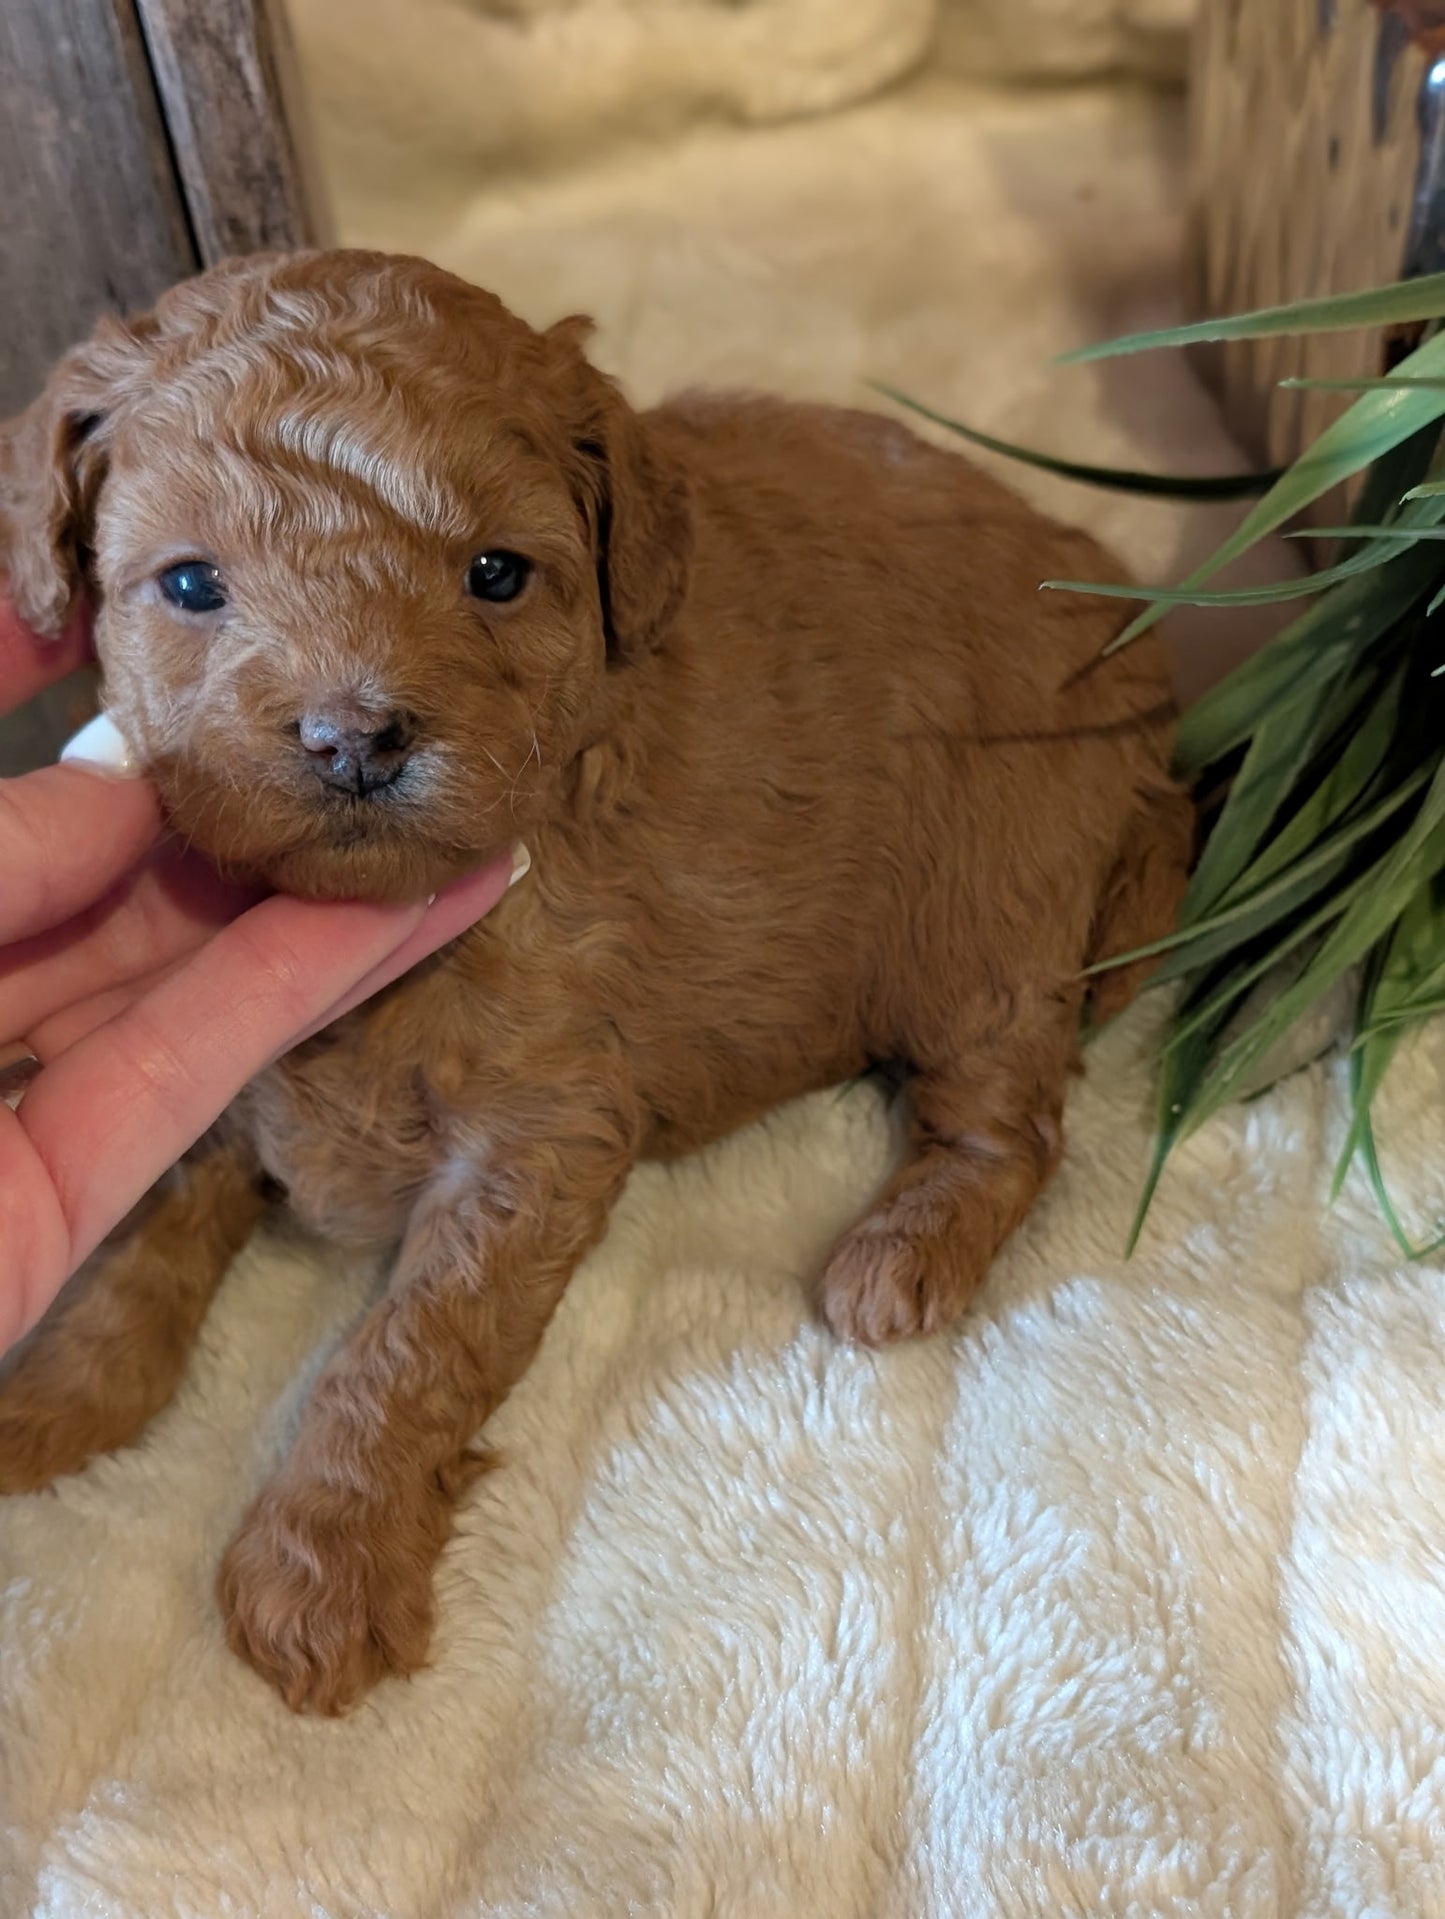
(1124, 1599)
(1128, 1598)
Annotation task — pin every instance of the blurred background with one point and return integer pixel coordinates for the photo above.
(805, 195)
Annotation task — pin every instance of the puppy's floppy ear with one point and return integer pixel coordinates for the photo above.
(636, 499)
(52, 461)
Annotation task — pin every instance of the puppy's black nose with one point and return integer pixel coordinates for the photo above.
(355, 751)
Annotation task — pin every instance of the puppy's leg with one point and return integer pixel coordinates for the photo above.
(109, 1355)
(986, 1137)
(328, 1583)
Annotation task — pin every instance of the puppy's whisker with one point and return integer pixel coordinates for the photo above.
(517, 780)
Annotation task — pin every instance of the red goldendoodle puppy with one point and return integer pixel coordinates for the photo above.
(811, 775)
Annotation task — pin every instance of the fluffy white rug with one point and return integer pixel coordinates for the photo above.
(1128, 1598)
(400, 87)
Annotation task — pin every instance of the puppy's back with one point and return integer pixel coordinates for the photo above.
(835, 529)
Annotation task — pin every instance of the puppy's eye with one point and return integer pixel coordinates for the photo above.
(497, 576)
(195, 586)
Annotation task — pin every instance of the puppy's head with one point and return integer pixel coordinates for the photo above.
(365, 551)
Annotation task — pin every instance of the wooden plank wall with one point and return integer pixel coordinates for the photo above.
(230, 92)
(92, 220)
(92, 217)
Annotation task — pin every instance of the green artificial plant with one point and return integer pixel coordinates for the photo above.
(1325, 858)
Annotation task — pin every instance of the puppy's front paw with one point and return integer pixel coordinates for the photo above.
(324, 1593)
(884, 1282)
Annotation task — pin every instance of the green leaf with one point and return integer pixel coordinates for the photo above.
(1331, 846)
(1400, 534)
(1164, 486)
(1413, 975)
(1180, 1073)
(1395, 532)
(1248, 973)
(1300, 588)
(1368, 729)
(1373, 532)
(1413, 1012)
(1349, 620)
(1371, 1157)
(1376, 423)
(1322, 640)
(1367, 1069)
(1393, 475)
(1401, 303)
(1277, 901)
(1299, 383)
(1311, 754)
(1406, 964)
(1401, 969)
(1377, 903)
(1282, 745)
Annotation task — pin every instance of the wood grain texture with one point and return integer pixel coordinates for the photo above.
(92, 221)
(92, 216)
(231, 98)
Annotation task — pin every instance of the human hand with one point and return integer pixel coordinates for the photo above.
(148, 989)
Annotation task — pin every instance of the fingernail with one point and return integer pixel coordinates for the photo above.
(521, 864)
(101, 747)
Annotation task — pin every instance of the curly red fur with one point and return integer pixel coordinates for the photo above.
(811, 773)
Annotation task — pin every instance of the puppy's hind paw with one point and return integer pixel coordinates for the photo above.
(883, 1284)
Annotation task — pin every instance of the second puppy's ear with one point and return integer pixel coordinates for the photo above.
(52, 464)
(568, 338)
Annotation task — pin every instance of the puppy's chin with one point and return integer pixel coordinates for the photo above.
(393, 873)
(330, 849)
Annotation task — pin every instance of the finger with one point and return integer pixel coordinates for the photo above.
(29, 664)
(75, 1018)
(110, 1115)
(160, 912)
(449, 915)
(107, 1118)
(48, 1038)
(66, 838)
